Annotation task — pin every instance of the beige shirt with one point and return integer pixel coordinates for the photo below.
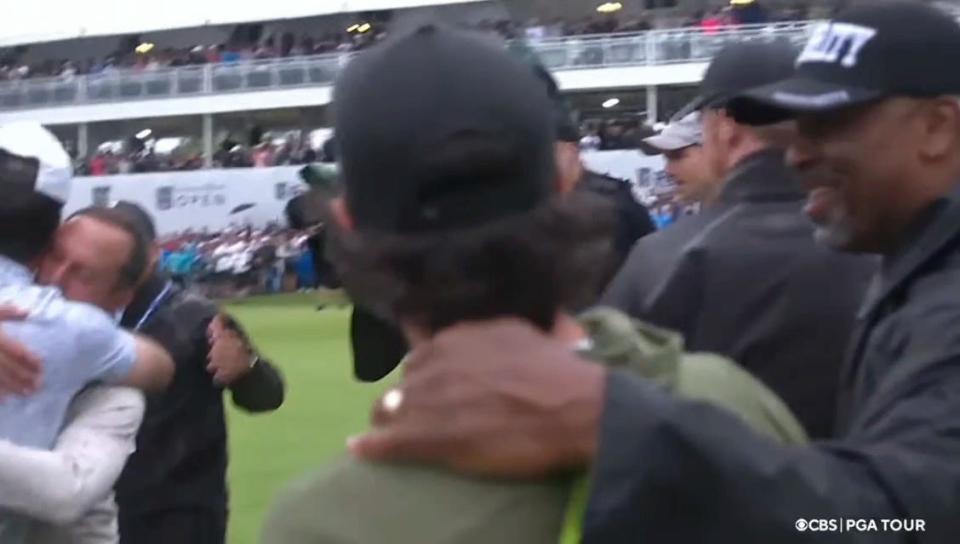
(69, 490)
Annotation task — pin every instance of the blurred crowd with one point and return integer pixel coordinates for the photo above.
(135, 157)
(613, 133)
(132, 55)
(241, 261)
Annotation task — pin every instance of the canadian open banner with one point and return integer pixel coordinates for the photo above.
(209, 200)
(212, 200)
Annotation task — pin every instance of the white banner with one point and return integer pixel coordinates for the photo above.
(209, 199)
(645, 173)
(204, 199)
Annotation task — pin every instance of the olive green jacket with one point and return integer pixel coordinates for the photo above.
(355, 502)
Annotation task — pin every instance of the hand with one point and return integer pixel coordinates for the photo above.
(20, 370)
(229, 353)
(493, 399)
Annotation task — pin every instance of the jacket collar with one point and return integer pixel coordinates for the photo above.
(145, 295)
(934, 232)
(762, 177)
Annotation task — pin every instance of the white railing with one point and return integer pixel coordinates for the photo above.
(657, 47)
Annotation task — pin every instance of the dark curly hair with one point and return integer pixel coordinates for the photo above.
(528, 265)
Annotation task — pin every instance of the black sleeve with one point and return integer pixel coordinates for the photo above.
(262, 389)
(676, 471)
(658, 286)
(638, 217)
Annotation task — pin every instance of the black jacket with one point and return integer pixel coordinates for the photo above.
(633, 219)
(677, 472)
(181, 456)
(746, 279)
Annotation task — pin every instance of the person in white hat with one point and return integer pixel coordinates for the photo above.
(681, 144)
(75, 344)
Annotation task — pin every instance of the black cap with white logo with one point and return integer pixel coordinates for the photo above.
(868, 52)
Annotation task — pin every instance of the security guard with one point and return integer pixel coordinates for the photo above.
(745, 278)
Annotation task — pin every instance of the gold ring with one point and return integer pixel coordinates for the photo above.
(392, 400)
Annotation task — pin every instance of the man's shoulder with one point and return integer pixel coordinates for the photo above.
(676, 237)
(658, 354)
(352, 501)
(47, 305)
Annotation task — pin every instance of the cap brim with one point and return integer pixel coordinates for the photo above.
(663, 143)
(799, 95)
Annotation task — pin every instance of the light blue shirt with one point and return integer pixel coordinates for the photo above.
(78, 344)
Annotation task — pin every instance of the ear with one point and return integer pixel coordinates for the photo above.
(941, 128)
(340, 214)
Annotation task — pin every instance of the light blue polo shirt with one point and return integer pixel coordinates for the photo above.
(78, 344)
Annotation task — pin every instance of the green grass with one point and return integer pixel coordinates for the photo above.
(324, 404)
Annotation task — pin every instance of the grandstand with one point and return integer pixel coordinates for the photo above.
(166, 99)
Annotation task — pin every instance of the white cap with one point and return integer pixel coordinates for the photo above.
(679, 134)
(30, 140)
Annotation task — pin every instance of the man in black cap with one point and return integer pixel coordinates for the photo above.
(378, 347)
(879, 152)
(477, 225)
(745, 277)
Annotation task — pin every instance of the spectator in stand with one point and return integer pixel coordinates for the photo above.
(98, 165)
(263, 155)
(535, 30)
(266, 50)
(590, 142)
(748, 12)
(230, 55)
(713, 22)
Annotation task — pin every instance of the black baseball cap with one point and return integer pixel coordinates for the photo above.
(407, 109)
(869, 52)
(739, 67)
(564, 120)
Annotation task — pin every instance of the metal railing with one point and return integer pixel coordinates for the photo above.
(657, 47)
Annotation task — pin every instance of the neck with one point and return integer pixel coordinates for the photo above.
(917, 206)
(747, 148)
(566, 329)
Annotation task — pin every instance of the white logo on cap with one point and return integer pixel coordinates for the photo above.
(830, 39)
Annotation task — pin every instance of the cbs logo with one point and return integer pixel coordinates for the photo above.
(817, 525)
